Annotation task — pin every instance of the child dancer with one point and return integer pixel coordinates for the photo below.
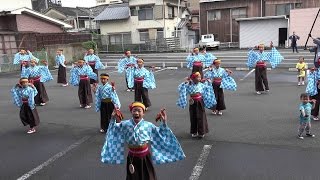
(23, 95)
(106, 101)
(301, 66)
(305, 108)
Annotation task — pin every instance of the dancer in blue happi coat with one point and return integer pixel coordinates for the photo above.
(196, 61)
(23, 57)
(143, 80)
(141, 135)
(221, 79)
(23, 95)
(128, 64)
(258, 60)
(106, 101)
(201, 97)
(313, 86)
(208, 56)
(62, 70)
(79, 76)
(94, 62)
(38, 75)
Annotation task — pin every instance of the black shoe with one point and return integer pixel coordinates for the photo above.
(310, 135)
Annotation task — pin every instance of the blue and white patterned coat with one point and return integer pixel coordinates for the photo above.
(104, 92)
(94, 58)
(273, 57)
(122, 66)
(149, 81)
(209, 59)
(18, 58)
(35, 71)
(313, 78)
(205, 89)
(227, 82)
(17, 93)
(165, 147)
(76, 71)
(60, 59)
(195, 57)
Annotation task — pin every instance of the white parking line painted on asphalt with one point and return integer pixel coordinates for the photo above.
(200, 163)
(53, 158)
(247, 74)
(160, 70)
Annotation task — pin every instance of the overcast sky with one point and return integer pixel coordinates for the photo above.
(80, 3)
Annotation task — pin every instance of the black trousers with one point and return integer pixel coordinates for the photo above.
(84, 92)
(141, 94)
(218, 92)
(315, 111)
(261, 78)
(198, 118)
(29, 116)
(143, 166)
(106, 110)
(294, 47)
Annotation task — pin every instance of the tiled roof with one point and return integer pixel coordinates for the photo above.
(115, 12)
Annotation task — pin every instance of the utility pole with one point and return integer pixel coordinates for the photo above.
(178, 17)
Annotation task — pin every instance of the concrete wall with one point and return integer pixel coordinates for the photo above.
(15, 4)
(72, 52)
(301, 21)
(27, 22)
(255, 32)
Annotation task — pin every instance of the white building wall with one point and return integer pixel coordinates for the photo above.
(255, 32)
(301, 21)
(133, 24)
(15, 4)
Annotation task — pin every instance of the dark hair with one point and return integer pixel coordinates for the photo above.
(104, 74)
(303, 95)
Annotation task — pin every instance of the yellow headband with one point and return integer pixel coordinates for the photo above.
(104, 77)
(140, 60)
(24, 80)
(137, 104)
(196, 49)
(80, 60)
(218, 61)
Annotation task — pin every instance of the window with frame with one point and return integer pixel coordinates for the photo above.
(81, 24)
(239, 13)
(101, 1)
(195, 19)
(283, 9)
(133, 11)
(214, 15)
(144, 35)
(124, 38)
(160, 34)
(170, 12)
(298, 5)
(145, 13)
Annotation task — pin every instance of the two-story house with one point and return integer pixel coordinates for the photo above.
(252, 21)
(137, 21)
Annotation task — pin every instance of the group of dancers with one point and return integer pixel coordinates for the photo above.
(203, 89)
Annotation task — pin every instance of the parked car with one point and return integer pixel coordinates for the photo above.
(207, 41)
